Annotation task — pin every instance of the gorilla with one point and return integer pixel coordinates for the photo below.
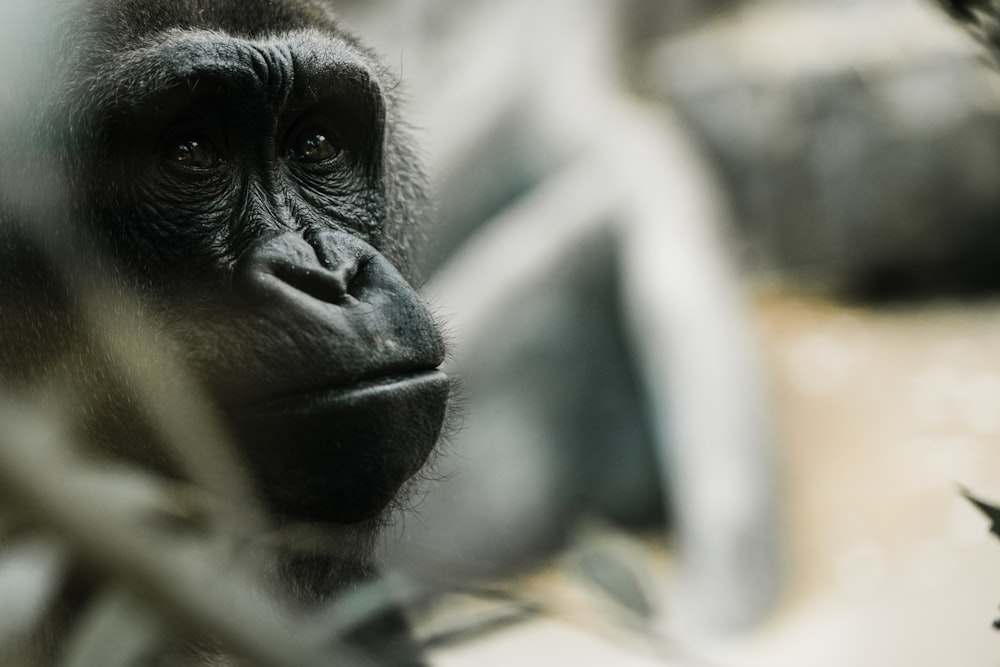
(230, 182)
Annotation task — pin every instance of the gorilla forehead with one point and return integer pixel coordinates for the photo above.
(308, 63)
(155, 41)
(247, 18)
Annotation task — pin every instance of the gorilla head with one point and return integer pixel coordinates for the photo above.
(235, 169)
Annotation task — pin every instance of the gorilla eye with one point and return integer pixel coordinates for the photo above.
(191, 152)
(313, 146)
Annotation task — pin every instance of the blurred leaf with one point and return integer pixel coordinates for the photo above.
(616, 575)
(991, 511)
(118, 631)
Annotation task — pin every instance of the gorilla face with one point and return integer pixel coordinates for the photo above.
(241, 171)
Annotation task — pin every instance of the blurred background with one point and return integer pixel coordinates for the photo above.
(721, 285)
(719, 278)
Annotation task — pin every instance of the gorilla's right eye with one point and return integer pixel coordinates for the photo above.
(314, 145)
(191, 152)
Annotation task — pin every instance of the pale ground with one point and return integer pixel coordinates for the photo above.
(883, 413)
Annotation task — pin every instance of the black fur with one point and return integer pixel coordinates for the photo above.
(175, 196)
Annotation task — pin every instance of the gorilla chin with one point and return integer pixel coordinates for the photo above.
(381, 431)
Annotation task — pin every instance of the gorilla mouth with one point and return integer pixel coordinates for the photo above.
(306, 400)
(341, 454)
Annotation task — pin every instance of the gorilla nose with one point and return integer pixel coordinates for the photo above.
(324, 266)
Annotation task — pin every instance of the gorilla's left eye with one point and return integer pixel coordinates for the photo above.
(192, 152)
(313, 145)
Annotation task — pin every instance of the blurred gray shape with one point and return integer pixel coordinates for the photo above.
(597, 323)
(857, 140)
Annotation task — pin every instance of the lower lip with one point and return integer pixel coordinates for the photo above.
(312, 401)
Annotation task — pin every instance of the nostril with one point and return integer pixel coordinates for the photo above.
(288, 261)
(330, 285)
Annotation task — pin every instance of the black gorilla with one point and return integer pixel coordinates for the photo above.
(236, 171)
